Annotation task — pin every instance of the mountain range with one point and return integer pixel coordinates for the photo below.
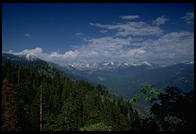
(121, 78)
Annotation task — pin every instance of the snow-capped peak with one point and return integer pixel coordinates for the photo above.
(147, 63)
(110, 65)
(20, 56)
(105, 64)
(125, 63)
(192, 62)
(30, 57)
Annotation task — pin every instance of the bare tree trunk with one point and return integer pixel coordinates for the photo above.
(18, 76)
(128, 114)
(41, 109)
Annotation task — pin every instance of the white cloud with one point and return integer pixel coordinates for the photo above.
(101, 49)
(131, 28)
(27, 35)
(175, 46)
(10, 51)
(103, 31)
(53, 57)
(78, 33)
(167, 49)
(35, 51)
(67, 56)
(129, 44)
(133, 52)
(160, 20)
(188, 18)
(130, 17)
(71, 54)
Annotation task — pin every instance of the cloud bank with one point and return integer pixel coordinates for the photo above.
(188, 18)
(130, 17)
(132, 41)
(160, 20)
(131, 28)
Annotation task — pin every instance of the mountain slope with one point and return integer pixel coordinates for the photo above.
(127, 80)
(67, 104)
(120, 78)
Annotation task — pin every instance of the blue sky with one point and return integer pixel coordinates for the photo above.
(75, 33)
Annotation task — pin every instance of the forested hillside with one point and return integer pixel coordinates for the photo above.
(98, 67)
(41, 98)
(66, 104)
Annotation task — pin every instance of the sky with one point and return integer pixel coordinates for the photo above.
(92, 33)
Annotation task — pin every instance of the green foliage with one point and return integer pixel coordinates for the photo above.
(151, 93)
(97, 127)
(174, 110)
(77, 105)
(67, 104)
(134, 99)
(171, 110)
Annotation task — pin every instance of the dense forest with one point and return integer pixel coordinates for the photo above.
(41, 98)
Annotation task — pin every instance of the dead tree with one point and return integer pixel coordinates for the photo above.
(41, 117)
